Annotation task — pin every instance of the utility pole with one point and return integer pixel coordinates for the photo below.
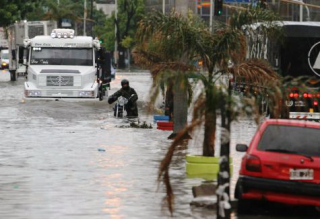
(91, 18)
(211, 14)
(223, 190)
(85, 18)
(164, 6)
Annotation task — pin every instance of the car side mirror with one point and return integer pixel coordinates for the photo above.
(241, 147)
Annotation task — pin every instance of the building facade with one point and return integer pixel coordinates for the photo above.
(288, 11)
(107, 6)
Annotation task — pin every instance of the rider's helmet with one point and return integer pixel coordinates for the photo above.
(125, 84)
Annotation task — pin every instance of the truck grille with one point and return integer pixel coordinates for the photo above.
(59, 80)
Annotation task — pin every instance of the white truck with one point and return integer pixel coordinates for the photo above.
(19, 31)
(63, 65)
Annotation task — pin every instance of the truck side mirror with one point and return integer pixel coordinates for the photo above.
(25, 56)
(13, 54)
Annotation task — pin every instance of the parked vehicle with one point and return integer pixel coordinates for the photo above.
(298, 58)
(281, 164)
(17, 33)
(295, 56)
(4, 58)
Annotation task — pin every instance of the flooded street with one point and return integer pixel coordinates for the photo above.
(70, 160)
(53, 164)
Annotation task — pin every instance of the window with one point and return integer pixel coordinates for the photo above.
(61, 56)
(301, 140)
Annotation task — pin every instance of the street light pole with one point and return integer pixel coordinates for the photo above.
(163, 6)
(91, 18)
(211, 14)
(85, 18)
(115, 33)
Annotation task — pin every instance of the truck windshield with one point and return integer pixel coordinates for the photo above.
(61, 56)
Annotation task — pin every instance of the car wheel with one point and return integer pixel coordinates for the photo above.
(244, 206)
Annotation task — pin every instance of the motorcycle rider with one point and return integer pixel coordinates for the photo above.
(130, 94)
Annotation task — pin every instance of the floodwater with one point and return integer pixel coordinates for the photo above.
(74, 160)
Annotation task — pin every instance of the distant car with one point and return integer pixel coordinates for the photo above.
(4, 56)
(113, 72)
(281, 164)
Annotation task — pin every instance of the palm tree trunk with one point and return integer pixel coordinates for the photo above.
(210, 120)
(180, 110)
(209, 134)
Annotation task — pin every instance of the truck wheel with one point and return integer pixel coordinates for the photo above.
(13, 76)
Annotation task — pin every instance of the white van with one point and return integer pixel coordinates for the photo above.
(4, 58)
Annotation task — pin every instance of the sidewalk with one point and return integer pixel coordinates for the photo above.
(132, 71)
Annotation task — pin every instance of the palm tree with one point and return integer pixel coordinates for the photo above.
(161, 49)
(169, 44)
(65, 10)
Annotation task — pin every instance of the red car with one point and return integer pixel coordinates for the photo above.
(281, 164)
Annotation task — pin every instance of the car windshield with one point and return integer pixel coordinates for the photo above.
(61, 56)
(291, 139)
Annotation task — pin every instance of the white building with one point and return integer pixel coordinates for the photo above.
(107, 6)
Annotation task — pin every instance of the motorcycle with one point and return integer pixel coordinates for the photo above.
(120, 107)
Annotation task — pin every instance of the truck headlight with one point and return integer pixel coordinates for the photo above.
(86, 93)
(33, 93)
(4, 64)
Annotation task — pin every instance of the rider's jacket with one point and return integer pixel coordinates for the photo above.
(127, 93)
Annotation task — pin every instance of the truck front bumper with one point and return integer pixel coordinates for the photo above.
(33, 92)
(305, 115)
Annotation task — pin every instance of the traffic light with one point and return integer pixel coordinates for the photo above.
(218, 6)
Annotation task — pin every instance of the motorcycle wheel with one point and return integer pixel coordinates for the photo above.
(100, 95)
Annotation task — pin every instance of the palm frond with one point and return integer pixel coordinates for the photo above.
(254, 71)
(163, 174)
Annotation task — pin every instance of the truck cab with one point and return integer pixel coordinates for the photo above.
(63, 65)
